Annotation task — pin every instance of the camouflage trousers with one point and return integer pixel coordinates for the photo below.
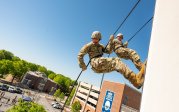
(106, 65)
(127, 53)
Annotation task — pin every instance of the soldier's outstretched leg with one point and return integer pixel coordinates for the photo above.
(136, 79)
(127, 53)
(105, 65)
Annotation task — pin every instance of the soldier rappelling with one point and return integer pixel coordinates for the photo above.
(101, 64)
(122, 51)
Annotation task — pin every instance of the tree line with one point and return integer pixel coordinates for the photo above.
(11, 64)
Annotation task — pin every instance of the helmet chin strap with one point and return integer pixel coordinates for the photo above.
(96, 42)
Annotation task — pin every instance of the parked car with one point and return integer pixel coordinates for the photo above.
(18, 90)
(4, 87)
(11, 89)
(26, 98)
(56, 105)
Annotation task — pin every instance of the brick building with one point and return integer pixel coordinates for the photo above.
(92, 99)
(39, 81)
(126, 99)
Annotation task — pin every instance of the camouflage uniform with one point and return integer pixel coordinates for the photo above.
(102, 64)
(122, 51)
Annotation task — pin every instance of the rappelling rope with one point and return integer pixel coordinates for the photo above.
(139, 30)
(125, 19)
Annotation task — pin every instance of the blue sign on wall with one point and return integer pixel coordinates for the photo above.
(107, 104)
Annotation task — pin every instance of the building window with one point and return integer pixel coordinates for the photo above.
(24, 81)
(95, 91)
(93, 97)
(83, 93)
(89, 103)
(29, 82)
(81, 98)
(84, 87)
(41, 86)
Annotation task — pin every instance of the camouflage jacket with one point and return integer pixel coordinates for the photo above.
(93, 50)
(115, 44)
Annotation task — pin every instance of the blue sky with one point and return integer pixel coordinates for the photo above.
(51, 33)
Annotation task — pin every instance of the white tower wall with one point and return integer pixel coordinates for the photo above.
(161, 86)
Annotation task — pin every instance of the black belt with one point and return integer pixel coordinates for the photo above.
(97, 56)
(117, 48)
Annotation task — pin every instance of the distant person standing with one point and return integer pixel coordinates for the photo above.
(3, 93)
(8, 100)
(14, 100)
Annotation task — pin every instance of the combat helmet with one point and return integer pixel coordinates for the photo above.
(96, 34)
(120, 35)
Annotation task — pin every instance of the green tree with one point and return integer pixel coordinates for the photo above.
(50, 72)
(27, 107)
(18, 69)
(15, 58)
(76, 106)
(57, 93)
(2, 56)
(73, 82)
(59, 79)
(6, 55)
(42, 69)
(10, 64)
(71, 96)
(64, 82)
(68, 83)
(32, 67)
(62, 96)
(52, 76)
(5, 66)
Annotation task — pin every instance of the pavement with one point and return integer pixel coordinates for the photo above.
(47, 104)
(5, 104)
(41, 98)
(47, 100)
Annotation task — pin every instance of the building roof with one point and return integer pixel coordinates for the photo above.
(37, 74)
(125, 85)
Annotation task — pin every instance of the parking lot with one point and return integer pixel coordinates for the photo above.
(38, 97)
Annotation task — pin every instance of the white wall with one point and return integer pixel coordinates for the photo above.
(161, 86)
